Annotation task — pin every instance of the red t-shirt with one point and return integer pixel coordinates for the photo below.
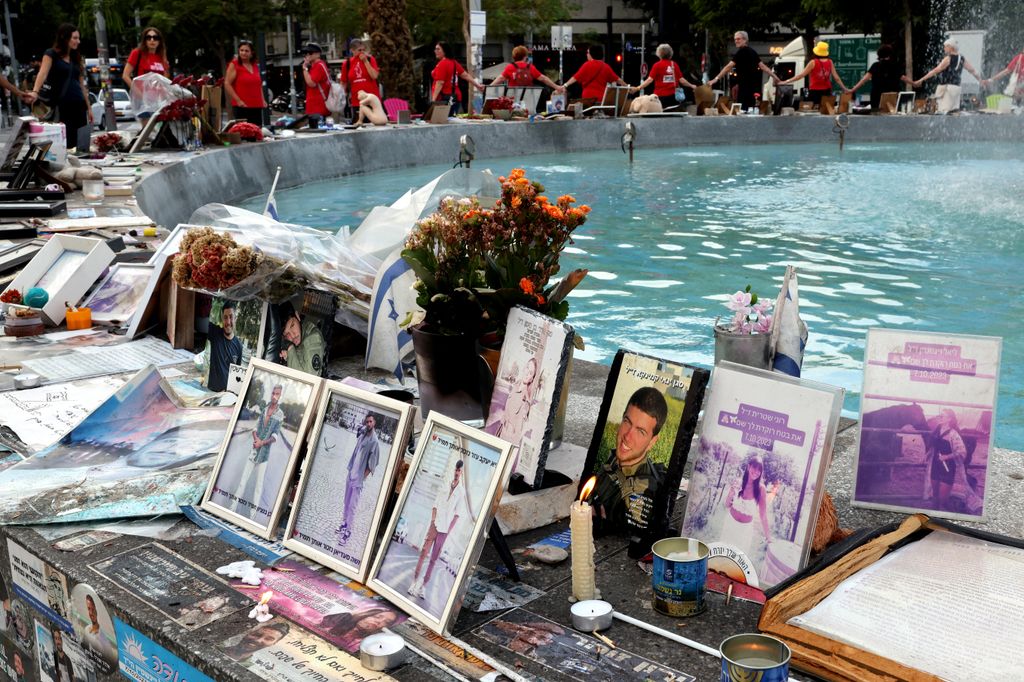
(248, 86)
(147, 62)
(665, 74)
(356, 79)
(1016, 65)
(520, 74)
(594, 75)
(447, 71)
(315, 103)
(821, 75)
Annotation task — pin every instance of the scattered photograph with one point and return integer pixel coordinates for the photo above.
(528, 386)
(927, 423)
(94, 628)
(264, 440)
(45, 654)
(232, 338)
(445, 508)
(764, 446)
(117, 296)
(357, 444)
(297, 333)
(640, 445)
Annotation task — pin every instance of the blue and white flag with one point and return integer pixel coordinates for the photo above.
(270, 210)
(392, 301)
(789, 332)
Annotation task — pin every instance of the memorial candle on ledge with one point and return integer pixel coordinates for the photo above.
(261, 612)
(581, 526)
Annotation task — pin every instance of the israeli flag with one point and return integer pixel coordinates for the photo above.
(270, 209)
(788, 331)
(392, 301)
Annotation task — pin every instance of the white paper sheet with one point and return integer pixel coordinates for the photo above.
(97, 361)
(948, 605)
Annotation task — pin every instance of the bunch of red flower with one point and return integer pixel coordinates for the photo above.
(11, 296)
(502, 103)
(247, 131)
(107, 142)
(184, 109)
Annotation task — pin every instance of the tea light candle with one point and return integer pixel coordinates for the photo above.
(78, 318)
(261, 612)
(581, 525)
(382, 651)
(591, 615)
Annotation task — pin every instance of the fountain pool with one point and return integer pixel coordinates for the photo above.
(912, 236)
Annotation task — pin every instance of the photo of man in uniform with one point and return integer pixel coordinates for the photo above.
(268, 428)
(225, 348)
(257, 639)
(365, 457)
(448, 508)
(61, 661)
(629, 481)
(303, 347)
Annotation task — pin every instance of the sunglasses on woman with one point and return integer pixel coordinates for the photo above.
(152, 37)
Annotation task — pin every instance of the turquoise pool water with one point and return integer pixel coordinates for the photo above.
(912, 236)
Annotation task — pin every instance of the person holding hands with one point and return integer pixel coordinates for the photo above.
(822, 71)
(949, 71)
(445, 78)
(666, 76)
(748, 67)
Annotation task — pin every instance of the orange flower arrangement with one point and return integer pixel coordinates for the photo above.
(475, 263)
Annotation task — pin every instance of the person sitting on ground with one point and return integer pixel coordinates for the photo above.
(521, 73)
(594, 76)
(949, 71)
(1015, 86)
(666, 76)
(884, 75)
(822, 71)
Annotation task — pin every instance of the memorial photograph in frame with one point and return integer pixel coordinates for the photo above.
(262, 445)
(758, 475)
(927, 422)
(356, 445)
(117, 296)
(641, 443)
(528, 385)
(437, 529)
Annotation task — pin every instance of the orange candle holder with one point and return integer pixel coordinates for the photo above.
(80, 318)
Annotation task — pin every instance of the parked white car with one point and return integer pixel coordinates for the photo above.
(122, 108)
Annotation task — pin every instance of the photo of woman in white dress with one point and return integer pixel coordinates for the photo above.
(745, 525)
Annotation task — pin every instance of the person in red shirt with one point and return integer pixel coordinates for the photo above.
(318, 84)
(666, 76)
(149, 57)
(594, 75)
(821, 71)
(445, 76)
(359, 73)
(244, 85)
(1015, 70)
(521, 72)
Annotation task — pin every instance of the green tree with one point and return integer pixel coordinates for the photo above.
(391, 41)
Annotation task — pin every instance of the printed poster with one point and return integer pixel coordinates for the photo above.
(763, 451)
(39, 584)
(170, 583)
(927, 422)
(281, 651)
(143, 660)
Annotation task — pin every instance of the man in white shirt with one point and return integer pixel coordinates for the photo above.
(445, 513)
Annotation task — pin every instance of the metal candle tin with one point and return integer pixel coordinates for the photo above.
(679, 576)
(382, 651)
(591, 615)
(754, 657)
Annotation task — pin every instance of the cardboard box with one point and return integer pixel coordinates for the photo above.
(214, 97)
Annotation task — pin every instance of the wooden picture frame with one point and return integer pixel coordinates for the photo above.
(248, 458)
(473, 468)
(338, 440)
(887, 102)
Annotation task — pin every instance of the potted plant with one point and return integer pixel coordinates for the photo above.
(474, 263)
(746, 337)
(502, 108)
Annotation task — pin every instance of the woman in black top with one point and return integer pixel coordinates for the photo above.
(884, 75)
(948, 70)
(62, 69)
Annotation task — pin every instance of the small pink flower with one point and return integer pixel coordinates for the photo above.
(762, 306)
(764, 324)
(740, 301)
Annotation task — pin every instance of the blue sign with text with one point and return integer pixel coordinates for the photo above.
(143, 660)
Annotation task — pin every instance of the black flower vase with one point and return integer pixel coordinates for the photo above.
(446, 369)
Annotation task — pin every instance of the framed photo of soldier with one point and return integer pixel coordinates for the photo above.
(297, 332)
(436, 532)
(640, 445)
(263, 443)
(357, 443)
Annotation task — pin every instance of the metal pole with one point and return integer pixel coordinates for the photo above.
(14, 59)
(643, 52)
(706, 76)
(291, 66)
(622, 46)
(109, 114)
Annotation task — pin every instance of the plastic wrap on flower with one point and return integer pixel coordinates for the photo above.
(151, 92)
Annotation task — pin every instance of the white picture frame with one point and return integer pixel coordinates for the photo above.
(66, 267)
(243, 463)
(486, 461)
(337, 512)
(116, 298)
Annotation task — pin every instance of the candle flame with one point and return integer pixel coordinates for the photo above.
(266, 597)
(588, 488)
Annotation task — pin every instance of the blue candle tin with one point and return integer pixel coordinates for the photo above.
(754, 658)
(680, 576)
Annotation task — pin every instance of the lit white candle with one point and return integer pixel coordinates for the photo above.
(261, 612)
(581, 525)
(382, 651)
(591, 615)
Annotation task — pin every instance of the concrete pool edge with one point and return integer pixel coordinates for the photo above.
(229, 175)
